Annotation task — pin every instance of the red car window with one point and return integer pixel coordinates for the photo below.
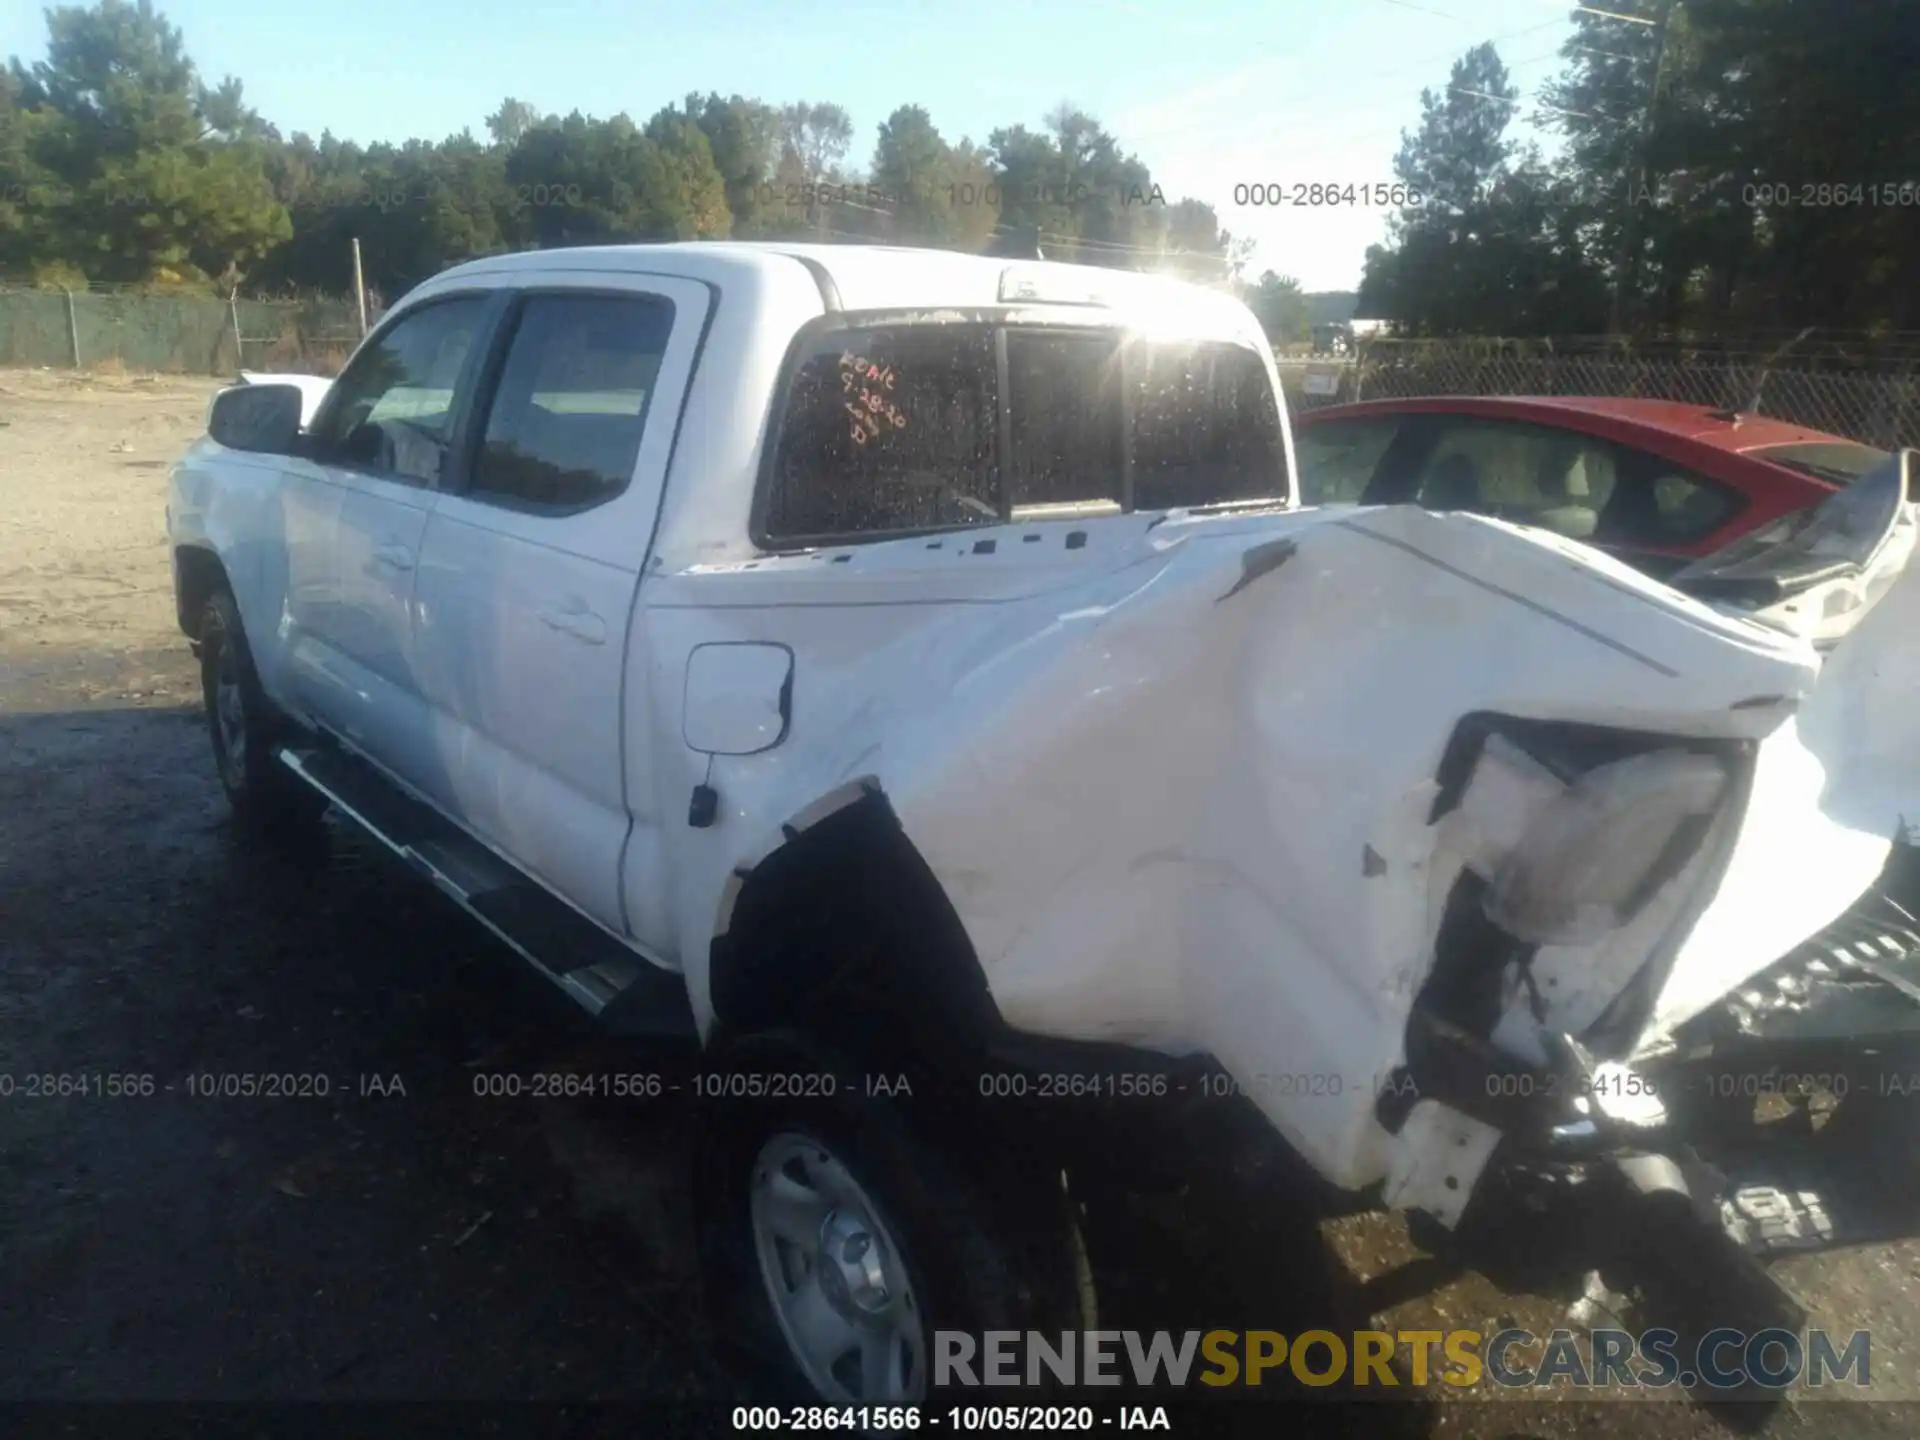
(1680, 508)
(1338, 458)
(1530, 474)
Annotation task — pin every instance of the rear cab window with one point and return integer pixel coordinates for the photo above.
(889, 430)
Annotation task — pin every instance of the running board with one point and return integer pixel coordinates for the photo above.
(625, 992)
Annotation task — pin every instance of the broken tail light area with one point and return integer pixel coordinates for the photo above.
(1572, 860)
(1594, 854)
(1571, 853)
(1779, 1119)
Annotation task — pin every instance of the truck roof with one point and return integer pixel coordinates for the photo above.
(884, 277)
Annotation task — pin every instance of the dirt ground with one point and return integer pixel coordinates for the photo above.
(397, 1236)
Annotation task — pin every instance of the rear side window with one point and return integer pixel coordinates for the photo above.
(563, 429)
(905, 429)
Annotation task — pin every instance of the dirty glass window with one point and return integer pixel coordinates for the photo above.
(391, 410)
(563, 427)
(1066, 428)
(1206, 426)
(1337, 458)
(1530, 474)
(888, 430)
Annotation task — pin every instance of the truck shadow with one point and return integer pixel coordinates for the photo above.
(469, 1244)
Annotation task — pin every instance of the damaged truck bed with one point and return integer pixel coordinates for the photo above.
(1502, 873)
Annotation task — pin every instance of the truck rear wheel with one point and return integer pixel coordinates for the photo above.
(839, 1231)
(267, 799)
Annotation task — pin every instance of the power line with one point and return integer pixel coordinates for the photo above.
(1387, 74)
(1615, 15)
(1502, 100)
(1401, 129)
(1423, 9)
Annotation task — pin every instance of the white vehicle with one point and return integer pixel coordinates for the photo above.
(883, 663)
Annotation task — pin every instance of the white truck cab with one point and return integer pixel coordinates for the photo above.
(874, 660)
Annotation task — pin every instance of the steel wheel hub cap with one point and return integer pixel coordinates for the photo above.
(835, 1276)
(853, 1272)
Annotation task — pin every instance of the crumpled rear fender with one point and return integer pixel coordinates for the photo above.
(1188, 807)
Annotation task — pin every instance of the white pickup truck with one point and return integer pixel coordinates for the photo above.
(881, 663)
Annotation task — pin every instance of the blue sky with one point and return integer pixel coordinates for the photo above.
(1210, 95)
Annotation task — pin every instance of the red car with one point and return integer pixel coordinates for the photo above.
(1656, 482)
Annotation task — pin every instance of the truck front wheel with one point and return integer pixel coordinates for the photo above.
(841, 1232)
(267, 799)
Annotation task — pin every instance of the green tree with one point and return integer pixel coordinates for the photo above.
(1281, 308)
(167, 177)
(742, 136)
(1494, 243)
(512, 120)
(685, 189)
(34, 202)
(813, 138)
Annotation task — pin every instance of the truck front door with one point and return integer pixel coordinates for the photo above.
(379, 444)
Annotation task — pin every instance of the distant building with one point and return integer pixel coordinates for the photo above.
(1343, 337)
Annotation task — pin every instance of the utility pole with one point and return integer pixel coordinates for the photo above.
(1626, 274)
(359, 287)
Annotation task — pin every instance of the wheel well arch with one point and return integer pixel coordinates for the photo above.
(843, 930)
(199, 573)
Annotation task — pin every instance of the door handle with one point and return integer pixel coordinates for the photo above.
(393, 554)
(581, 623)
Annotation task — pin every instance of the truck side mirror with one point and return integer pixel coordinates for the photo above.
(264, 419)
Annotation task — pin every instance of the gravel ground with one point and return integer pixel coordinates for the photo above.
(397, 1237)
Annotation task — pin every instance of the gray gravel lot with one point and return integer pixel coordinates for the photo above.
(388, 1234)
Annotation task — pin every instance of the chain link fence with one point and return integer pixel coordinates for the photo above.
(189, 334)
(1866, 389)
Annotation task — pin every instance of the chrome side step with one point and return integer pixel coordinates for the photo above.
(626, 992)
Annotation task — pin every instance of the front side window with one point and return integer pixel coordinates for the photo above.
(391, 411)
(564, 425)
(898, 430)
(1338, 457)
(1667, 507)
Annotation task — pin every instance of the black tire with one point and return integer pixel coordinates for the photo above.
(988, 1239)
(244, 727)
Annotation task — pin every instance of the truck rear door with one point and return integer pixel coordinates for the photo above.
(530, 563)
